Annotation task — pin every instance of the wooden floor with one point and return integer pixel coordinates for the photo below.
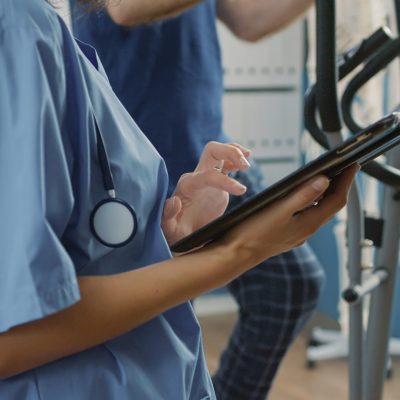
(328, 381)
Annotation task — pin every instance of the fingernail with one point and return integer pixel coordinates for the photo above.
(240, 186)
(244, 161)
(173, 202)
(172, 205)
(320, 183)
(167, 208)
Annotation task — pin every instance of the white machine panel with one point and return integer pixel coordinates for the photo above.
(272, 62)
(275, 171)
(268, 123)
(263, 99)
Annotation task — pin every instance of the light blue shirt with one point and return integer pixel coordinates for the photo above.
(51, 181)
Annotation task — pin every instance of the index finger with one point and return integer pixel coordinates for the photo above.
(215, 152)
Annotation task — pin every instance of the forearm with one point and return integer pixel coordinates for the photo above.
(113, 305)
(253, 19)
(136, 12)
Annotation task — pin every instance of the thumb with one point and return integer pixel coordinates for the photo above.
(306, 194)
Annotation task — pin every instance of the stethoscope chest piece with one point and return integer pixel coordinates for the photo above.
(113, 222)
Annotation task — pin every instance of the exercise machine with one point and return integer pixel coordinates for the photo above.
(325, 118)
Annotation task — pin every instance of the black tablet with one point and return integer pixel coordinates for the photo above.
(361, 148)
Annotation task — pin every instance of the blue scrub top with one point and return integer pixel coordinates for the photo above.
(51, 181)
(167, 74)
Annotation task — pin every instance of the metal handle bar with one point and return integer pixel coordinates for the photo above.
(352, 58)
(397, 10)
(387, 53)
(379, 49)
(346, 64)
(326, 87)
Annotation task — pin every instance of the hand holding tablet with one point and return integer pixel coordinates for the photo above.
(359, 149)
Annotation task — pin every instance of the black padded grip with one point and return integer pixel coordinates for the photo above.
(327, 74)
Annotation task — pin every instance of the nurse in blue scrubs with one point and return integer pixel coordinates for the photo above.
(92, 304)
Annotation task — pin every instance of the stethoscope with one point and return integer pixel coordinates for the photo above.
(113, 221)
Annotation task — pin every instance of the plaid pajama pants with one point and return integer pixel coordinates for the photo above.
(275, 300)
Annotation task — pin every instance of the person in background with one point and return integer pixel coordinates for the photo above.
(163, 61)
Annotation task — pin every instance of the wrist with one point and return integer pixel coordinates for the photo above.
(235, 256)
(245, 252)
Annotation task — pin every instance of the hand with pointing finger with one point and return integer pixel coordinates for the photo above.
(203, 195)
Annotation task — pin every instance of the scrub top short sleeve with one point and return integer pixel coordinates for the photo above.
(37, 276)
(51, 180)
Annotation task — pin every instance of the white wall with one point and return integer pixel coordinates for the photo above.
(263, 98)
